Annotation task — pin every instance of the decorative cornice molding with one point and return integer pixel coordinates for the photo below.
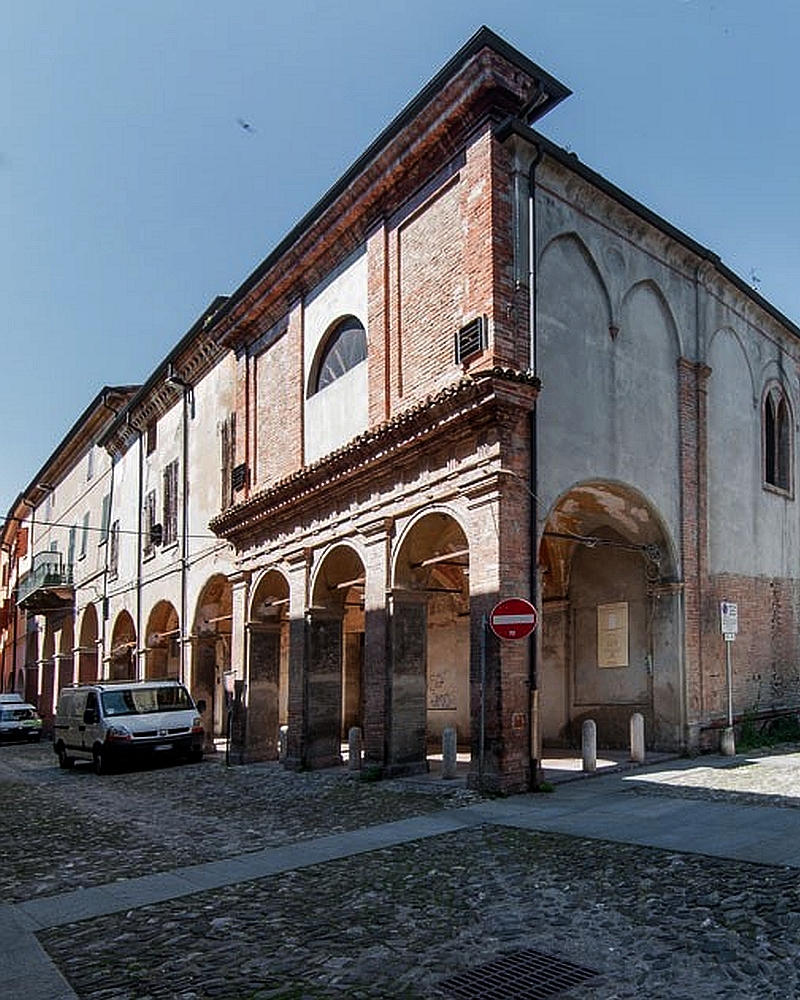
(470, 402)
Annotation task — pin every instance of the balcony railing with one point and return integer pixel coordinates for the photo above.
(48, 584)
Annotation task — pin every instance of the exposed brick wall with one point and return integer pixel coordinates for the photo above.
(277, 387)
(765, 656)
(433, 266)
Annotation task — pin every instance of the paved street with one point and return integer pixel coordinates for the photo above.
(678, 879)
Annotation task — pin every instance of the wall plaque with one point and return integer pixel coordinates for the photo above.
(612, 635)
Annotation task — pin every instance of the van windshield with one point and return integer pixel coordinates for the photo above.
(141, 701)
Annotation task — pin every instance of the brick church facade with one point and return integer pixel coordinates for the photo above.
(477, 370)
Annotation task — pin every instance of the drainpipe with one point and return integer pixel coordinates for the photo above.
(139, 558)
(535, 645)
(101, 649)
(185, 631)
(187, 390)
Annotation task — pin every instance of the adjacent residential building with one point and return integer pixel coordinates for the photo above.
(475, 370)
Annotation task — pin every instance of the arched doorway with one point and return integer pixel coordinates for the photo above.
(212, 653)
(610, 642)
(335, 655)
(430, 637)
(87, 646)
(163, 655)
(123, 644)
(268, 687)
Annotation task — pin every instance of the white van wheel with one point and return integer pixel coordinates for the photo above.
(100, 765)
(65, 762)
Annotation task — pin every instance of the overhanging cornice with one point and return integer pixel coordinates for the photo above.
(471, 402)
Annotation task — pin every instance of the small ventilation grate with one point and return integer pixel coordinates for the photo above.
(471, 339)
(523, 975)
(239, 478)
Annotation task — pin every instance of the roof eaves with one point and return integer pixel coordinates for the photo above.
(554, 91)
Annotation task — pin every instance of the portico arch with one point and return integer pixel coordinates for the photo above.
(268, 638)
(64, 671)
(47, 676)
(163, 655)
(430, 639)
(213, 623)
(87, 646)
(335, 654)
(123, 644)
(610, 637)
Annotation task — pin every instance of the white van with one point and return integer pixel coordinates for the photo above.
(123, 721)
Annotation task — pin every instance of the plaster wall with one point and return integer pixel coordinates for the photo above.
(753, 529)
(612, 318)
(338, 413)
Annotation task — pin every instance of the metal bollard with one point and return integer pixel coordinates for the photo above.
(637, 738)
(449, 753)
(589, 746)
(354, 743)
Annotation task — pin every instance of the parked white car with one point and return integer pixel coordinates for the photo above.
(19, 721)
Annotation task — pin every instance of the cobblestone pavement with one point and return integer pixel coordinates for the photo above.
(398, 922)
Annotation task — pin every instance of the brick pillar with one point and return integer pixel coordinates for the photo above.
(378, 540)
(240, 601)
(262, 691)
(408, 684)
(323, 688)
(296, 740)
(693, 430)
(500, 690)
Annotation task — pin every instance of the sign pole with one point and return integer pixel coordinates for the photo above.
(729, 677)
(729, 622)
(482, 738)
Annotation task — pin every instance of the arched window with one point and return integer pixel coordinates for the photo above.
(777, 432)
(343, 348)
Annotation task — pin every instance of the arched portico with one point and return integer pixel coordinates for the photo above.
(64, 670)
(212, 653)
(610, 636)
(430, 640)
(334, 655)
(123, 644)
(163, 653)
(268, 665)
(87, 646)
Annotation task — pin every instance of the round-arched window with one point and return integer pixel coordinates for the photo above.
(344, 347)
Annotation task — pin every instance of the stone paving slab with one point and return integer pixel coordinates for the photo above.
(392, 908)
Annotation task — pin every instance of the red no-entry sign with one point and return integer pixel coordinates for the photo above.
(513, 619)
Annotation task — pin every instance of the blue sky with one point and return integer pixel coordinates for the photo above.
(130, 195)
